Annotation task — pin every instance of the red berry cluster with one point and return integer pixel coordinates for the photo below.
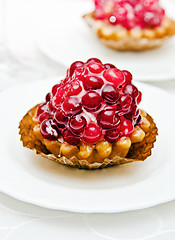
(130, 13)
(95, 101)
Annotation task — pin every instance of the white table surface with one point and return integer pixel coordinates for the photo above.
(20, 220)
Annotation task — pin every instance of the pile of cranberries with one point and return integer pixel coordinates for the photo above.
(130, 13)
(94, 102)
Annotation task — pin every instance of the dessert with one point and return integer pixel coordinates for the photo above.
(130, 24)
(90, 119)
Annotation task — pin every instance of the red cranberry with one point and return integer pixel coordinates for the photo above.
(74, 66)
(95, 67)
(112, 135)
(139, 98)
(59, 96)
(133, 114)
(131, 90)
(70, 137)
(79, 73)
(125, 103)
(91, 101)
(43, 116)
(51, 105)
(48, 96)
(114, 76)
(92, 82)
(110, 94)
(128, 76)
(126, 127)
(108, 119)
(77, 123)
(92, 133)
(75, 88)
(60, 119)
(49, 129)
(55, 88)
(71, 105)
(94, 60)
(109, 65)
(42, 108)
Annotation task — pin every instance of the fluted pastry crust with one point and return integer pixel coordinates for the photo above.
(119, 38)
(138, 151)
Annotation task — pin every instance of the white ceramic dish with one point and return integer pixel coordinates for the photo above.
(21, 221)
(36, 180)
(65, 37)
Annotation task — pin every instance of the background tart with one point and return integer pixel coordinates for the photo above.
(121, 33)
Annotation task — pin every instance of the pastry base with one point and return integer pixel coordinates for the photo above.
(138, 151)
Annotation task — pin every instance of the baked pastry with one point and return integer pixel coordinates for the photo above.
(130, 24)
(90, 119)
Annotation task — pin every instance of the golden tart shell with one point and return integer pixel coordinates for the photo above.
(138, 151)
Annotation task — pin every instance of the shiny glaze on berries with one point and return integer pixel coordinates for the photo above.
(94, 102)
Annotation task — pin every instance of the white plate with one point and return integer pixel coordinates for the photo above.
(36, 180)
(65, 37)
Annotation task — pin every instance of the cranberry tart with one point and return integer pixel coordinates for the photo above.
(130, 24)
(90, 119)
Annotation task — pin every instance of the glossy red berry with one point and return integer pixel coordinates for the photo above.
(95, 67)
(110, 94)
(75, 88)
(108, 119)
(60, 119)
(55, 88)
(42, 108)
(112, 135)
(71, 106)
(77, 123)
(74, 66)
(133, 113)
(126, 127)
(128, 76)
(109, 65)
(139, 98)
(48, 96)
(91, 101)
(125, 102)
(92, 82)
(94, 60)
(51, 106)
(131, 90)
(49, 130)
(114, 76)
(92, 133)
(58, 97)
(43, 116)
(70, 137)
